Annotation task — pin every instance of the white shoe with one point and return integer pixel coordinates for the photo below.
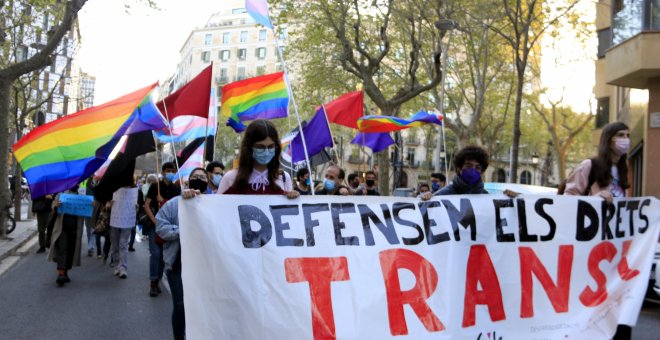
(116, 272)
(122, 274)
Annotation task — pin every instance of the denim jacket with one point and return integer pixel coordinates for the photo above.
(167, 227)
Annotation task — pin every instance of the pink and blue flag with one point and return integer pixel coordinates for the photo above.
(258, 10)
(184, 128)
(196, 160)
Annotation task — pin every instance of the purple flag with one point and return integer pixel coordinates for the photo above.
(317, 137)
(377, 142)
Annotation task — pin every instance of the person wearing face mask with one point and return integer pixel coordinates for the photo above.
(66, 241)
(370, 188)
(333, 182)
(258, 170)
(470, 162)
(214, 170)
(167, 227)
(605, 175)
(304, 183)
(438, 181)
(354, 182)
(156, 197)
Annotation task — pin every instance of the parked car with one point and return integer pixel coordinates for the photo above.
(498, 188)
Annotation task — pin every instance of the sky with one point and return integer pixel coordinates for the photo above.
(128, 51)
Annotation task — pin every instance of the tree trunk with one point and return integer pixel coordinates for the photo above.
(5, 90)
(383, 172)
(561, 158)
(516, 129)
(18, 191)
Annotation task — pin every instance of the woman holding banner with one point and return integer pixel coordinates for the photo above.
(167, 227)
(259, 165)
(605, 176)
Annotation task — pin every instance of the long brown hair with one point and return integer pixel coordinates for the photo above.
(602, 164)
(257, 131)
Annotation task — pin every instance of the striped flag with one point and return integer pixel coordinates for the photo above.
(371, 124)
(258, 10)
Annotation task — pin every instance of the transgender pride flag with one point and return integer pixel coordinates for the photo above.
(185, 128)
(196, 160)
(258, 10)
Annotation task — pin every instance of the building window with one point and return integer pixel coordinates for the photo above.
(225, 38)
(242, 54)
(602, 112)
(260, 53)
(283, 33)
(604, 41)
(240, 74)
(224, 55)
(208, 39)
(499, 176)
(261, 70)
(262, 35)
(525, 177)
(206, 56)
(244, 36)
(238, 10)
(223, 78)
(410, 156)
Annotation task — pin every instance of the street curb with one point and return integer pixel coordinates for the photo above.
(18, 241)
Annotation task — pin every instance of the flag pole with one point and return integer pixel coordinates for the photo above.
(444, 147)
(157, 167)
(176, 161)
(293, 100)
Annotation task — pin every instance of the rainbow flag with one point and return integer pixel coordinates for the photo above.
(371, 124)
(58, 155)
(263, 97)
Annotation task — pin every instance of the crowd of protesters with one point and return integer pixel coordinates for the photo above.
(258, 173)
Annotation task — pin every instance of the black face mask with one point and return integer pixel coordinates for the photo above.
(198, 184)
(370, 182)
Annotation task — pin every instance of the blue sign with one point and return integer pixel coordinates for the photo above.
(78, 205)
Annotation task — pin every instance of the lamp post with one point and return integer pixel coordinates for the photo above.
(535, 162)
(443, 25)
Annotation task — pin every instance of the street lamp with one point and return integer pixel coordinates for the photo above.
(535, 162)
(443, 25)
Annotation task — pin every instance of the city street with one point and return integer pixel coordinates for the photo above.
(97, 305)
(94, 305)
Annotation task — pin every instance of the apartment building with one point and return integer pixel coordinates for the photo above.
(628, 82)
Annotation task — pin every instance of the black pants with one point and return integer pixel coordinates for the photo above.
(66, 246)
(623, 332)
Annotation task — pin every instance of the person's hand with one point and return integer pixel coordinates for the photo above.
(606, 195)
(344, 192)
(189, 193)
(426, 196)
(510, 193)
(160, 198)
(108, 204)
(50, 197)
(57, 203)
(292, 194)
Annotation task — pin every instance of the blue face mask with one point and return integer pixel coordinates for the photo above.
(170, 176)
(216, 179)
(470, 175)
(329, 185)
(308, 182)
(435, 186)
(263, 157)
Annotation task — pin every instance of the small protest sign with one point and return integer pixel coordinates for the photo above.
(124, 202)
(78, 205)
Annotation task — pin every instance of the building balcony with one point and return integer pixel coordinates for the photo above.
(633, 62)
(221, 80)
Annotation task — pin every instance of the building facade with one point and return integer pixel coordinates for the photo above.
(234, 43)
(628, 82)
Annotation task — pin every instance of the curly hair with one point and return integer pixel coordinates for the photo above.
(474, 153)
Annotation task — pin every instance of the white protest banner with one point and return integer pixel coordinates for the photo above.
(124, 202)
(78, 205)
(455, 267)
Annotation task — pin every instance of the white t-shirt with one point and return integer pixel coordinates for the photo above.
(258, 180)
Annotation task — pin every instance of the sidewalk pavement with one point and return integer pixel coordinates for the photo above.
(24, 232)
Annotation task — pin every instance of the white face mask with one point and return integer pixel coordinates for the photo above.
(621, 145)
